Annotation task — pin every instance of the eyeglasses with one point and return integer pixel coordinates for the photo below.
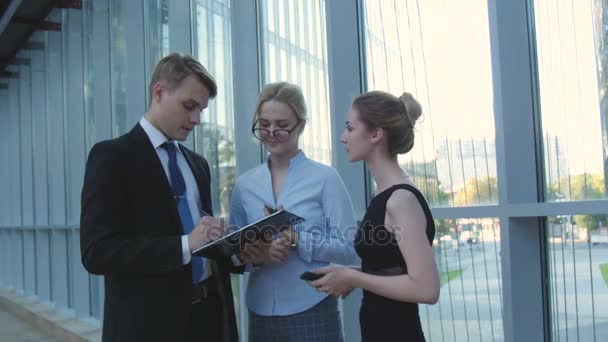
(280, 134)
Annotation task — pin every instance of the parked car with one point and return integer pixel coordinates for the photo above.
(597, 239)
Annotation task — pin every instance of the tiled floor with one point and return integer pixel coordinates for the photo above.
(13, 329)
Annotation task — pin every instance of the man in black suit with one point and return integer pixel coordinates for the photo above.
(143, 198)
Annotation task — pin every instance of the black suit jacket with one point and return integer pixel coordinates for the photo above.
(130, 232)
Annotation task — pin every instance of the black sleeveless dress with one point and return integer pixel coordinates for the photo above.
(384, 319)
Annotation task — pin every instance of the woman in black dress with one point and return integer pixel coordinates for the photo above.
(398, 269)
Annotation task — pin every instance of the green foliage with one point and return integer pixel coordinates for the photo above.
(577, 188)
(477, 191)
(604, 271)
(444, 226)
(446, 277)
(425, 176)
(590, 222)
(433, 192)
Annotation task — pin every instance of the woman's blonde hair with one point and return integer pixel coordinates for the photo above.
(284, 92)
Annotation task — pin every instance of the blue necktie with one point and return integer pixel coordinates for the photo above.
(179, 193)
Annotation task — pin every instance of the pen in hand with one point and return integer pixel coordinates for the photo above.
(269, 210)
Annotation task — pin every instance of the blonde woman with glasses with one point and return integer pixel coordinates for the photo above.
(281, 305)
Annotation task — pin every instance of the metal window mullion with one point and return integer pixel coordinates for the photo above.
(246, 20)
(324, 89)
(180, 36)
(276, 40)
(316, 66)
(60, 294)
(76, 150)
(4, 184)
(485, 263)
(289, 47)
(513, 68)
(38, 105)
(48, 114)
(27, 179)
(345, 80)
(133, 20)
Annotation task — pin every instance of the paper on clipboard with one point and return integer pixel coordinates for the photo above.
(234, 242)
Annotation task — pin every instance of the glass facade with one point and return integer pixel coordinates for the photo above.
(294, 49)
(118, 52)
(454, 156)
(426, 49)
(156, 28)
(570, 56)
(215, 136)
(520, 209)
(467, 252)
(577, 257)
(571, 46)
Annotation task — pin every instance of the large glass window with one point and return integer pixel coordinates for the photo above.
(156, 30)
(118, 68)
(294, 49)
(427, 49)
(95, 282)
(571, 41)
(467, 252)
(214, 138)
(89, 79)
(578, 268)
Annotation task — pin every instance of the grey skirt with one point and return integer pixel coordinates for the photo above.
(320, 323)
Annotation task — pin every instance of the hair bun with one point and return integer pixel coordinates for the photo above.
(413, 110)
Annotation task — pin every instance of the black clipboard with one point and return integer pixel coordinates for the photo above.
(234, 242)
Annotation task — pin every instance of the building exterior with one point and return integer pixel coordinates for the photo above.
(510, 151)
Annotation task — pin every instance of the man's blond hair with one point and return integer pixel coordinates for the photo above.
(174, 68)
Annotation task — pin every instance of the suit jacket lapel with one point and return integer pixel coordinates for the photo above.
(153, 170)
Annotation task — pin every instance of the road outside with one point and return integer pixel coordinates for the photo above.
(470, 305)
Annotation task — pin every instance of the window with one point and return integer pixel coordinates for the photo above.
(118, 68)
(572, 48)
(156, 30)
(578, 281)
(214, 138)
(467, 253)
(426, 49)
(89, 75)
(294, 49)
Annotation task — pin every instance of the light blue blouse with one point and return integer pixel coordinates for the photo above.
(315, 192)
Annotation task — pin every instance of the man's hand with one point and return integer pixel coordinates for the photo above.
(255, 253)
(208, 229)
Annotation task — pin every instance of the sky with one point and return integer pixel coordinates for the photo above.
(445, 62)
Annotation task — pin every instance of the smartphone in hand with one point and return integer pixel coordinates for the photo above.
(309, 276)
